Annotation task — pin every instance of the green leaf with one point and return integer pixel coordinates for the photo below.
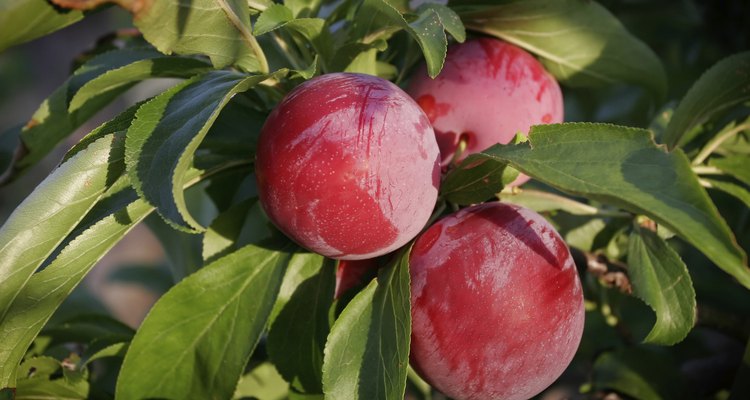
(661, 280)
(638, 373)
(47, 289)
(52, 122)
(42, 221)
(448, 18)
(272, 18)
(113, 350)
(427, 29)
(302, 267)
(579, 41)
(154, 65)
(541, 201)
(736, 166)
(724, 85)
(219, 29)
(298, 334)
(165, 134)
(38, 383)
(475, 180)
(242, 224)
(263, 382)
(625, 168)
(198, 337)
(737, 191)
(24, 20)
(367, 353)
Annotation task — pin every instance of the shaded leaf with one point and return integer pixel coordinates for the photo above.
(52, 122)
(24, 20)
(579, 41)
(167, 130)
(371, 338)
(213, 319)
(272, 18)
(730, 188)
(638, 373)
(624, 167)
(302, 267)
(450, 20)
(475, 180)
(219, 29)
(737, 166)
(298, 334)
(724, 85)
(153, 66)
(154, 278)
(661, 279)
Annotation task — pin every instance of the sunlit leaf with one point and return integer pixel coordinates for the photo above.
(724, 85)
(198, 337)
(625, 168)
(298, 334)
(371, 339)
(24, 20)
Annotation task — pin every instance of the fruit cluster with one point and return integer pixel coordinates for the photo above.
(349, 166)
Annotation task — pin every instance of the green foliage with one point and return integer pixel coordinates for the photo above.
(371, 338)
(244, 313)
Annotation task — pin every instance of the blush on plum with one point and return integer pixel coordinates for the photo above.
(348, 166)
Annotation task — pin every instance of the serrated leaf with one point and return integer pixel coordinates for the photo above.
(427, 29)
(272, 18)
(117, 211)
(219, 29)
(371, 339)
(24, 20)
(212, 319)
(298, 334)
(579, 41)
(625, 168)
(47, 289)
(737, 191)
(160, 143)
(448, 18)
(153, 66)
(724, 85)
(49, 214)
(660, 278)
(52, 122)
(737, 166)
(475, 180)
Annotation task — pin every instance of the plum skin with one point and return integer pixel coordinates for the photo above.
(487, 91)
(497, 305)
(347, 166)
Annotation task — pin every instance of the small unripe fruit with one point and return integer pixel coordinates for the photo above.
(497, 306)
(487, 91)
(347, 166)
